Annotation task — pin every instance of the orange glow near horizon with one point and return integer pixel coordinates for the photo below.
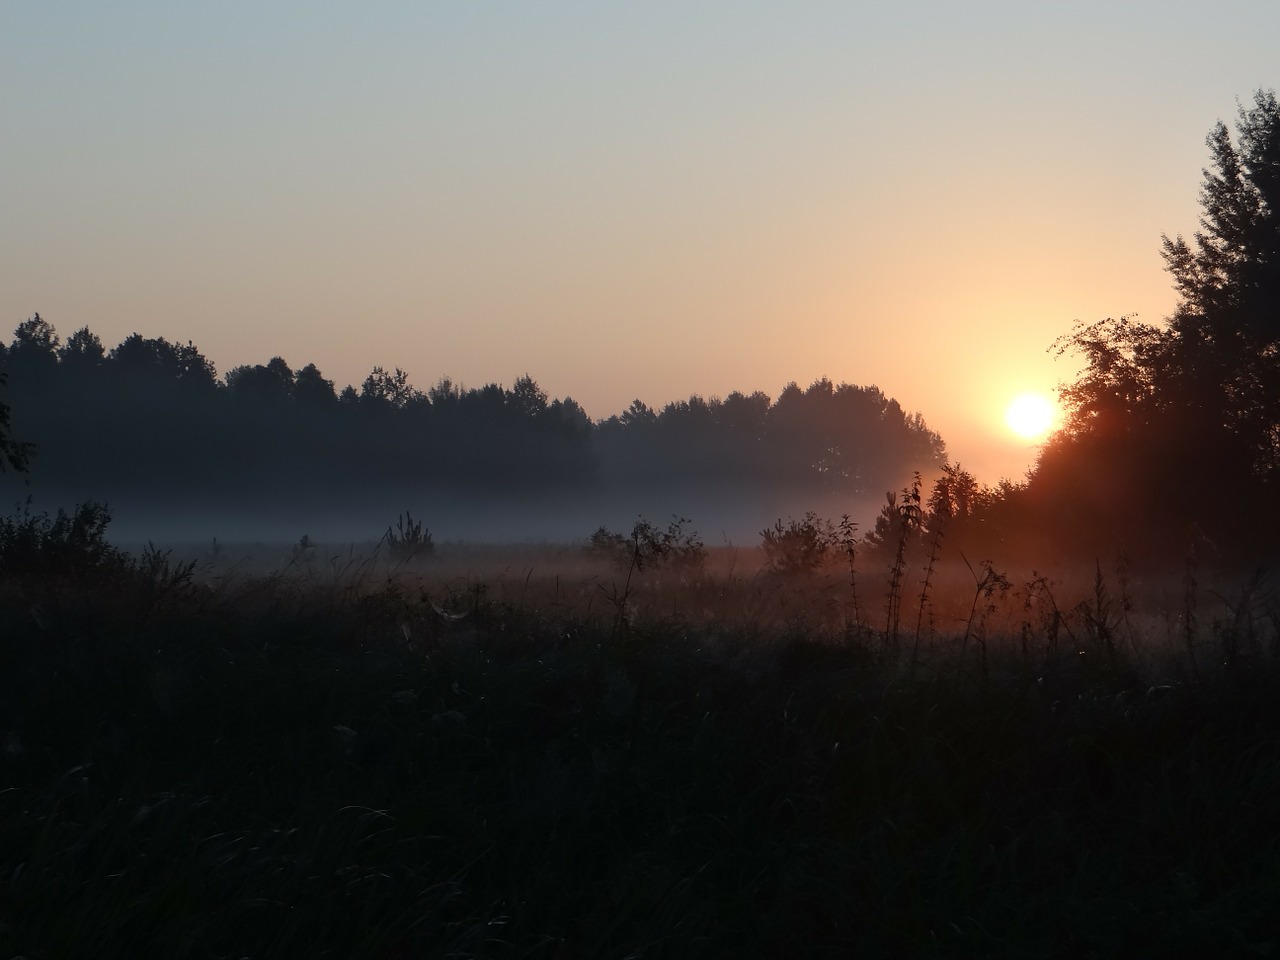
(622, 201)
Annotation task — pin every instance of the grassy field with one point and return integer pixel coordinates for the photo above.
(514, 752)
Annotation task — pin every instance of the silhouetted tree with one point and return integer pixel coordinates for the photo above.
(269, 383)
(954, 497)
(1225, 332)
(570, 416)
(389, 389)
(445, 394)
(529, 399)
(1177, 428)
(33, 354)
(744, 416)
(148, 360)
(82, 352)
(1229, 281)
(311, 389)
(638, 415)
(36, 336)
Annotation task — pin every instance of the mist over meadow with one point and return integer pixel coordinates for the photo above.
(909, 714)
(1168, 445)
(269, 453)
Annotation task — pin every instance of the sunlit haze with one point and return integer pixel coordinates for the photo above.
(640, 201)
(1031, 415)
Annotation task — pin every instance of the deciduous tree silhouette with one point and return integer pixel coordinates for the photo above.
(1177, 427)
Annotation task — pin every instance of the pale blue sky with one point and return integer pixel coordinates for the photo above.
(623, 201)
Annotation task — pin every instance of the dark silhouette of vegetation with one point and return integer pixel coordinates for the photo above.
(388, 766)
(1172, 432)
(828, 439)
(149, 420)
(677, 548)
(410, 539)
(15, 455)
(802, 545)
(38, 547)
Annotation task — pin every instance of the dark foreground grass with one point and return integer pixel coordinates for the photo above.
(281, 769)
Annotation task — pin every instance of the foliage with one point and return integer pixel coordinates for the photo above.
(986, 588)
(14, 454)
(390, 389)
(899, 521)
(1165, 418)
(408, 540)
(802, 545)
(649, 547)
(903, 522)
(59, 563)
(1229, 279)
(150, 418)
(955, 496)
(35, 545)
(272, 383)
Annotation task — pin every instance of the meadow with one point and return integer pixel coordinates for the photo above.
(553, 751)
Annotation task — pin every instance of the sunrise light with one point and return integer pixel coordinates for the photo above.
(1031, 415)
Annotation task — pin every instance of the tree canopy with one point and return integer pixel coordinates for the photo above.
(1173, 430)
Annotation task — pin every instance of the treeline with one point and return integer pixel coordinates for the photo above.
(149, 417)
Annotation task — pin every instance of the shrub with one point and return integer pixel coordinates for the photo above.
(674, 548)
(802, 545)
(409, 539)
(33, 545)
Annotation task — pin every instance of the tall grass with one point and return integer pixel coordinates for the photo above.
(469, 762)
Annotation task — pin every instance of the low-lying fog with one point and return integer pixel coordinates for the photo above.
(450, 517)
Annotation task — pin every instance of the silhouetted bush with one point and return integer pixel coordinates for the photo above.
(408, 540)
(648, 547)
(802, 545)
(35, 545)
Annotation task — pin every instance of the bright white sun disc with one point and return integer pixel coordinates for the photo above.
(1030, 415)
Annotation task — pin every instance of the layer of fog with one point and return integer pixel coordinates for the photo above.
(449, 516)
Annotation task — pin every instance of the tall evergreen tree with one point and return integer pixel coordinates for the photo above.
(1225, 333)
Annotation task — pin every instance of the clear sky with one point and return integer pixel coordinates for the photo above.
(642, 200)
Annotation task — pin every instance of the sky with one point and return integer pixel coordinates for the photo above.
(622, 200)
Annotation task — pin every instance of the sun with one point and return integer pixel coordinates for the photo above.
(1031, 415)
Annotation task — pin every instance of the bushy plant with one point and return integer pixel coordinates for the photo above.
(35, 545)
(802, 545)
(675, 548)
(409, 539)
